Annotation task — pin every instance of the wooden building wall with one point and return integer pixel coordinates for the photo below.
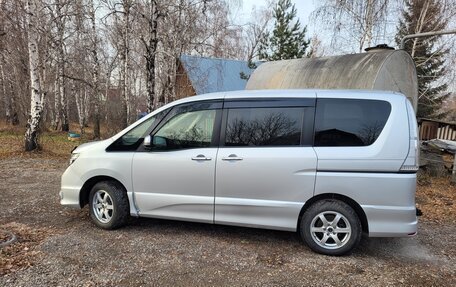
(184, 86)
(431, 129)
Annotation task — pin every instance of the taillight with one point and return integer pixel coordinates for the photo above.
(411, 163)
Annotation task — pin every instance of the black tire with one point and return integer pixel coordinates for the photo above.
(325, 242)
(120, 212)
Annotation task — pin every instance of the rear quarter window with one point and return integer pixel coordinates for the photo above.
(349, 122)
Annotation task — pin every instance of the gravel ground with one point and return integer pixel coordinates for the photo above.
(160, 252)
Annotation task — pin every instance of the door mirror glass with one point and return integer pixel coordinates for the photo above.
(147, 143)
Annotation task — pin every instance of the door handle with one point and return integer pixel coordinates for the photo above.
(232, 157)
(201, 157)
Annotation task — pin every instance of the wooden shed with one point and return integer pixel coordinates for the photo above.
(434, 129)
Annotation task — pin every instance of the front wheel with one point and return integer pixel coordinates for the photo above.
(109, 208)
(331, 227)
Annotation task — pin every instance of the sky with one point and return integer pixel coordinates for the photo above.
(303, 7)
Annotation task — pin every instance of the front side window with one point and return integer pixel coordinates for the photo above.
(193, 129)
(131, 140)
(349, 122)
(264, 126)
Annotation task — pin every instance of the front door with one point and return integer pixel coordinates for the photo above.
(175, 178)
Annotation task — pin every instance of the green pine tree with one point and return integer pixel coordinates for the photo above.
(288, 39)
(425, 16)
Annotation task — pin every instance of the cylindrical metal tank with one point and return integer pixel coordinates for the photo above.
(379, 69)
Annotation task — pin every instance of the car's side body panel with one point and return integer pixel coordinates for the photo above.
(96, 163)
(267, 188)
(388, 199)
(172, 185)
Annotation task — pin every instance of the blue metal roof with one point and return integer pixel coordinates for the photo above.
(209, 75)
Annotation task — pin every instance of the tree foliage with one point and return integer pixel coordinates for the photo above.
(421, 16)
(355, 23)
(287, 40)
(104, 61)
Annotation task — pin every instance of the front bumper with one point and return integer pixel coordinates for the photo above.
(69, 197)
(70, 188)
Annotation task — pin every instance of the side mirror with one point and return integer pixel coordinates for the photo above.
(147, 143)
(154, 141)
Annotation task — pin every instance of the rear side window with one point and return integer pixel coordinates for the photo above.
(349, 122)
(264, 126)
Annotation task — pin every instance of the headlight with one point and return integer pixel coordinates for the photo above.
(74, 156)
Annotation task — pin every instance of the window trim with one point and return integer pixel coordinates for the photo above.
(269, 103)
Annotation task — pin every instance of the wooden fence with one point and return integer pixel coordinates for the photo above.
(432, 129)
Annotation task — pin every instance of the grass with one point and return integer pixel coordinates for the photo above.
(53, 144)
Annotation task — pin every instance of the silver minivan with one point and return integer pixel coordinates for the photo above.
(328, 164)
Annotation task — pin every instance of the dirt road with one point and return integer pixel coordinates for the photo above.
(65, 249)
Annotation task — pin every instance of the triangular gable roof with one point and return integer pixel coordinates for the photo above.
(209, 75)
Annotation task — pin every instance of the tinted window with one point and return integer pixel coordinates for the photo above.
(347, 122)
(264, 127)
(186, 130)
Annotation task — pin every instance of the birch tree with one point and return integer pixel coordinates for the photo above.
(355, 21)
(124, 59)
(421, 16)
(36, 94)
(100, 61)
(6, 97)
(255, 31)
(78, 51)
(150, 13)
(95, 70)
(6, 80)
(60, 16)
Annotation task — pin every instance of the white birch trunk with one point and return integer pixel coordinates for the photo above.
(419, 27)
(95, 73)
(56, 120)
(151, 50)
(79, 99)
(369, 23)
(86, 100)
(61, 66)
(6, 97)
(36, 95)
(124, 57)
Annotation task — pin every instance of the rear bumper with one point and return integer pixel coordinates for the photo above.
(391, 221)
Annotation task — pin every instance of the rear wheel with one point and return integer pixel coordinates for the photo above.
(331, 227)
(109, 208)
